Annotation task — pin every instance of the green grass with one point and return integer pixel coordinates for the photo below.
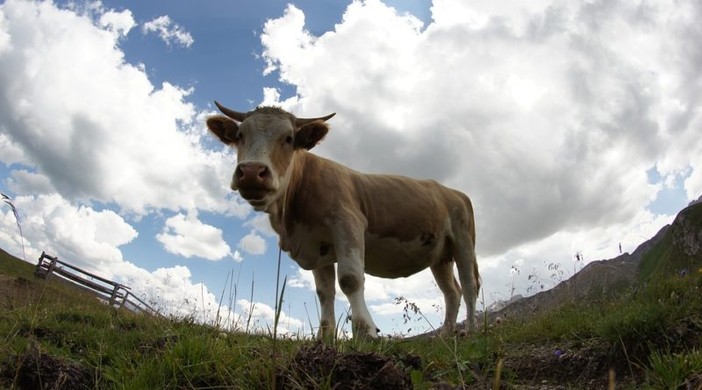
(651, 336)
(671, 370)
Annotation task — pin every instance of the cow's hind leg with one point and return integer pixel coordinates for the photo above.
(443, 273)
(324, 280)
(464, 256)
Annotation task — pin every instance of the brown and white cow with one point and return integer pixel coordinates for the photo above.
(325, 213)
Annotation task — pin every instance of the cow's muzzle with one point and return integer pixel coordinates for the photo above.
(253, 180)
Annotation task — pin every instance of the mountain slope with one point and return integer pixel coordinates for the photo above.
(676, 248)
(679, 250)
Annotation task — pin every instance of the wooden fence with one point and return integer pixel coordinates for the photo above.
(115, 294)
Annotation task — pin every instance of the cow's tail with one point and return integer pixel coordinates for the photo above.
(472, 234)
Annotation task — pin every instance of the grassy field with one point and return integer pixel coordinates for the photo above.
(53, 336)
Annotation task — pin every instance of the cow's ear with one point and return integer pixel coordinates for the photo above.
(309, 135)
(224, 128)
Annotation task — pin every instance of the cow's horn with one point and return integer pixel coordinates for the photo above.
(299, 122)
(237, 116)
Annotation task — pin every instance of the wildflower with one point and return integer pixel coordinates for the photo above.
(558, 353)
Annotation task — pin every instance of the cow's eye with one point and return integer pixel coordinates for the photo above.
(238, 137)
(289, 140)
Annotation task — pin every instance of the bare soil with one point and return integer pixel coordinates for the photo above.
(36, 370)
(320, 365)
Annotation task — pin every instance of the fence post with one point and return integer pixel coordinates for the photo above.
(113, 298)
(43, 254)
(52, 265)
(38, 271)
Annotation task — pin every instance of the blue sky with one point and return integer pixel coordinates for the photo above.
(573, 127)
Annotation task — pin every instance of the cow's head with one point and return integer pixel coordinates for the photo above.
(266, 140)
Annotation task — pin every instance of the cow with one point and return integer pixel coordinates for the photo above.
(325, 213)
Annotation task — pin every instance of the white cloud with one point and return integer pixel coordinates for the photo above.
(9, 151)
(261, 223)
(110, 137)
(120, 23)
(171, 291)
(547, 115)
(302, 279)
(5, 38)
(290, 40)
(187, 236)
(83, 236)
(263, 318)
(253, 244)
(169, 32)
(22, 181)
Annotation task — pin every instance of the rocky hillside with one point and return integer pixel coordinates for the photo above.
(676, 248)
(679, 250)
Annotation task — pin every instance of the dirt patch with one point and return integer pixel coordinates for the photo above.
(36, 370)
(585, 364)
(322, 366)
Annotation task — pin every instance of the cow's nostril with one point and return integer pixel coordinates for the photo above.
(264, 173)
(239, 173)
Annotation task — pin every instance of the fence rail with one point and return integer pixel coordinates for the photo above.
(115, 294)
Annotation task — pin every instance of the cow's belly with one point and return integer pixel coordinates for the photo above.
(392, 258)
(385, 257)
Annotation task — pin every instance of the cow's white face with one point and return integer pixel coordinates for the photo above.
(264, 153)
(266, 141)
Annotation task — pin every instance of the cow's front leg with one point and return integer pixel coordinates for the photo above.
(324, 281)
(349, 246)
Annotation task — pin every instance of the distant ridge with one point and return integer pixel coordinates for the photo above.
(675, 249)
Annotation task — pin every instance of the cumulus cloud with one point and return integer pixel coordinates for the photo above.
(263, 317)
(261, 223)
(172, 291)
(9, 151)
(187, 236)
(83, 236)
(119, 23)
(169, 32)
(548, 116)
(22, 181)
(110, 137)
(253, 244)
